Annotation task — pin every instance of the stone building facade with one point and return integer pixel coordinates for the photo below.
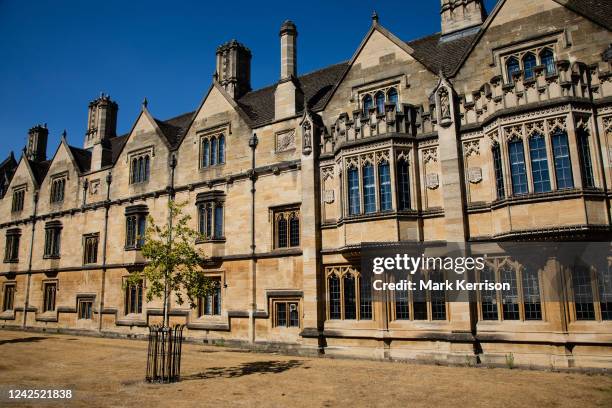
(496, 128)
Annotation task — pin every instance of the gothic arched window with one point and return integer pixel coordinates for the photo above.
(353, 191)
(294, 230)
(367, 104)
(563, 165)
(517, 167)
(393, 98)
(218, 220)
(147, 167)
(221, 149)
(140, 170)
(281, 231)
(384, 183)
(213, 151)
(134, 176)
(369, 189)
(333, 284)
(380, 102)
(403, 184)
(512, 66)
(547, 58)
(584, 152)
(205, 153)
(539, 163)
(350, 301)
(529, 63)
(499, 173)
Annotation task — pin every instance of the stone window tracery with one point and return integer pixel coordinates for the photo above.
(212, 150)
(349, 295)
(379, 98)
(527, 60)
(521, 302)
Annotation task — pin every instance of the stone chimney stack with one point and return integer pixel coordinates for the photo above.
(460, 14)
(288, 36)
(234, 68)
(288, 97)
(101, 121)
(36, 150)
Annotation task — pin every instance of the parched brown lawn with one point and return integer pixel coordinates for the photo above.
(108, 372)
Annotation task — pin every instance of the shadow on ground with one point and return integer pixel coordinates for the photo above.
(23, 340)
(255, 367)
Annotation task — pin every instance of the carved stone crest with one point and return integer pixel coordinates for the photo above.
(94, 187)
(432, 181)
(474, 175)
(285, 141)
(328, 196)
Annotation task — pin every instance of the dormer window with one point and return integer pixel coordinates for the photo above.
(212, 150)
(380, 103)
(367, 104)
(512, 67)
(58, 186)
(379, 98)
(547, 59)
(529, 63)
(140, 166)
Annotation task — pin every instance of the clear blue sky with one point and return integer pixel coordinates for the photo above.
(56, 56)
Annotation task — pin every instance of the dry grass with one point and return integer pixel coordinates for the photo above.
(106, 372)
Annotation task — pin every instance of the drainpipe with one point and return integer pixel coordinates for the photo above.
(109, 180)
(253, 141)
(171, 192)
(27, 297)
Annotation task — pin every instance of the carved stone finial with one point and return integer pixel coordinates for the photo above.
(64, 134)
(145, 103)
(374, 17)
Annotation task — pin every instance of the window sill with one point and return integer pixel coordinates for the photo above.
(132, 248)
(212, 166)
(286, 249)
(560, 193)
(11, 261)
(209, 240)
(51, 257)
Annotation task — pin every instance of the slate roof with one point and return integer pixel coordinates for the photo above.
(600, 11)
(117, 144)
(82, 157)
(40, 169)
(317, 86)
(438, 54)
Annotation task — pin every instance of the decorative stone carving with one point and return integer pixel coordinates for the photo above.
(328, 196)
(327, 173)
(444, 104)
(471, 148)
(432, 181)
(285, 141)
(306, 138)
(535, 128)
(403, 155)
(555, 124)
(94, 187)
(430, 155)
(474, 175)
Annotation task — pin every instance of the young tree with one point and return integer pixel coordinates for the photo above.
(173, 262)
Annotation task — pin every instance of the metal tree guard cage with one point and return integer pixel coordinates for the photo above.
(164, 354)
